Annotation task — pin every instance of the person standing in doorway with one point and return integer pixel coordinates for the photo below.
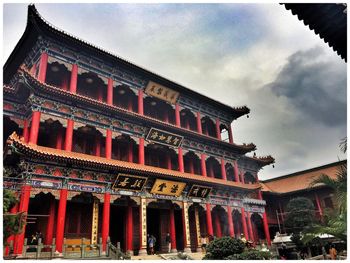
(333, 252)
(204, 244)
(168, 242)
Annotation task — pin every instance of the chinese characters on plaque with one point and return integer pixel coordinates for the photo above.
(161, 92)
(167, 187)
(199, 191)
(162, 137)
(129, 182)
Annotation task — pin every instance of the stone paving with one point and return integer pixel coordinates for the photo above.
(195, 256)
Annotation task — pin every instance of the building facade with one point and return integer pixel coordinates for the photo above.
(96, 147)
(279, 191)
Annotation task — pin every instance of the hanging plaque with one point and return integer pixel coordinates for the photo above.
(161, 92)
(164, 187)
(129, 182)
(199, 191)
(163, 137)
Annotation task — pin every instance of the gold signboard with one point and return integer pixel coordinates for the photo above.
(163, 137)
(161, 92)
(164, 187)
(199, 191)
(129, 182)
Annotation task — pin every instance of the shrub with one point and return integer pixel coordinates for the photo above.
(250, 255)
(223, 247)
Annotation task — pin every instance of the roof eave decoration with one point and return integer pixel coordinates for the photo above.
(44, 153)
(39, 21)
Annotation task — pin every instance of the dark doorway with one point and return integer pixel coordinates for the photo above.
(117, 225)
(179, 230)
(153, 226)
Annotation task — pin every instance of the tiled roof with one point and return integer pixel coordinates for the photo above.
(46, 153)
(300, 180)
(37, 22)
(244, 148)
(327, 20)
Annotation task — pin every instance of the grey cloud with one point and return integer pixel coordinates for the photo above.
(315, 86)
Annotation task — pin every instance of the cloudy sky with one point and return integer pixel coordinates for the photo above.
(258, 55)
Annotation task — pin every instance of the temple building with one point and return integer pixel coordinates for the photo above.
(98, 148)
(277, 192)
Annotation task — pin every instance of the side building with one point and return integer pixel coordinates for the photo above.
(279, 191)
(98, 148)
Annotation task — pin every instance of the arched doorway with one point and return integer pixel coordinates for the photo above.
(220, 222)
(41, 213)
(118, 227)
(249, 178)
(237, 223)
(158, 223)
(258, 227)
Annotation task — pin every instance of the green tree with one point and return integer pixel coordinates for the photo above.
(334, 222)
(12, 223)
(300, 213)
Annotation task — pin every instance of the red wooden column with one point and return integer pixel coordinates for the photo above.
(130, 152)
(61, 215)
(250, 228)
(129, 230)
(217, 225)
(203, 165)
(266, 229)
(97, 145)
(109, 144)
(223, 170)
(244, 223)
(50, 223)
(140, 102)
(265, 223)
(110, 91)
(181, 160)
(199, 123)
(69, 135)
(99, 94)
(242, 177)
(318, 203)
(168, 161)
(59, 139)
(33, 69)
(34, 129)
(191, 166)
(177, 115)
(172, 230)
(209, 221)
(25, 133)
(230, 134)
(230, 222)
(235, 169)
(23, 207)
(43, 67)
(105, 220)
(141, 150)
(218, 133)
(74, 79)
